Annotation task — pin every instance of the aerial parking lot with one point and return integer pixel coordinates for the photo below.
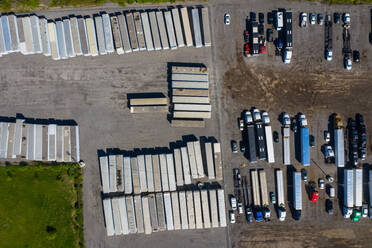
(95, 92)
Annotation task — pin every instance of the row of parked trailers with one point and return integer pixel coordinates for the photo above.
(23, 139)
(160, 172)
(181, 210)
(106, 33)
(190, 93)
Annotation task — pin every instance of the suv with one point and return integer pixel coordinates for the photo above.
(312, 141)
(233, 202)
(234, 146)
(321, 183)
(347, 63)
(249, 214)
(327, 136)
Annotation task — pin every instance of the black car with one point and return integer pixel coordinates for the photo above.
(312, 141)
(304, 175)
(336, 18)
(276, 136)
(253, 16)
(261, 29)
(234, 146)
(270, 18)
(329, 206)
(261, 17)
(269, 35)
(242, 146)
(356, 56)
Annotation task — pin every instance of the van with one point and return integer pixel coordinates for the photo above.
(332, 192)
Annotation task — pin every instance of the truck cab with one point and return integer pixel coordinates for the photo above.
(356, 215)
(287, 56)
(248, 117)
(266, 212)
(329, 54)
(258, 216)
(256, 115)
(347, 212)
(265, 118)
(302, 119)
(286, 121)
(297, 215)
(281, 213)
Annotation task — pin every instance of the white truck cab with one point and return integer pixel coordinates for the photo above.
(347, 212)
(302, 119)
(256, 114)
(265, 117)
(287, 56)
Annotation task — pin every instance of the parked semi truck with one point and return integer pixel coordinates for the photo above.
(305, 146)
(287, 54)
(269, 138)
(358, 194)
(280, 194)
(370, 194)
(348, 193)
(297, 195)
(286, 121)
(260, 139)
(254, 39)
(264, 195)
(250, 137)
(339, 142)
(256, 196)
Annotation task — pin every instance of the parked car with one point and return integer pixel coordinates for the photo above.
(240, 208)
(261, 29)
(227, 19)
(249, 215)
(303, 20)
(356, 56)
(312, 141)
(312, 18)
(331, 192)
(232, 217)
(272, 198)
(321, 183)
(327, 136)
(270, 35)
(261, 18)
(320, 19)
(346, 18)
(276, 137)
(270, 18)
(347, 63)
(304, 175)
(336, 18)
(329, 54)
(234, 146)
(233, 203)
(247, 49)
(241, 124)
(328, 153)
(242, 146)
(329, 206)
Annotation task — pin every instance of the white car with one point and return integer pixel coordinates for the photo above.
(328, 152)
(303, 20)
(312, 18)
(265, 117)
(240, 208)
(347, 64)
(364, 210)
(321, 183)
(286, 121)
(232, 217)
(346, 18)
(241, 124)
(233, 202)
(329, 54)
(227, 19)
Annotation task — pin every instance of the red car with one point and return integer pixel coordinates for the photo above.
(247, 49)
(314, 195)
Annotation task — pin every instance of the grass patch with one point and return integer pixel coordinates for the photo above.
(41, 206)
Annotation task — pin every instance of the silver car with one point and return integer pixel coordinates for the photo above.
(227, 19)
